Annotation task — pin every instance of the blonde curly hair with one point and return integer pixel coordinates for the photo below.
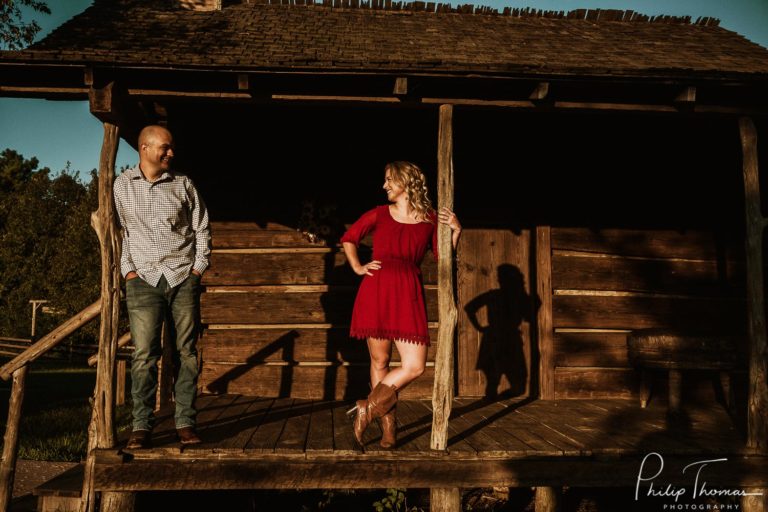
(412, 179)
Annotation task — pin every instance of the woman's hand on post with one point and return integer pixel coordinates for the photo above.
(446, 216)
(363, 270)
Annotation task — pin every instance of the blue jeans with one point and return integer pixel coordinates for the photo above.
(148, 306)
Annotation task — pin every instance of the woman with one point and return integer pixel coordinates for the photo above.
(390, 303)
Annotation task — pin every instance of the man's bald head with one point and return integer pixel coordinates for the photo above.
(155, 151)
(152, 132)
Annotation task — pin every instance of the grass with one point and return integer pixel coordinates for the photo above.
(56, 411)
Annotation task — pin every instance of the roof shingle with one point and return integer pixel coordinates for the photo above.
(294, 37)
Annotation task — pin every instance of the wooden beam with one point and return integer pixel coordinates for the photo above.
(540, 92)
(73, 93)
(547, 499)
(123, 341)
(354, 99)
(111, 104)
(443, 387)
(243, 82)
(11, 439)
(165, 369)
(480, 103)
(687, 95)
(102, 433)
(629, 107)
(195, 470)
(444, 499)
(104, 222)
(757, 414)
(401, 86)
(120, 381)
(88, 76)
(544, 322)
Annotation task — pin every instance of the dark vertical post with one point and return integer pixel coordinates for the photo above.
(757, 412)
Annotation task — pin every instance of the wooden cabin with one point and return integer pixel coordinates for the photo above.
(601, 163)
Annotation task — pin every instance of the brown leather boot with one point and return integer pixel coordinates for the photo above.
(378, 403)
(388, 429)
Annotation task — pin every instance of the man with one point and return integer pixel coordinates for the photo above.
(166, 244)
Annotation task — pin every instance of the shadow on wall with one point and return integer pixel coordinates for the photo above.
(501, 344)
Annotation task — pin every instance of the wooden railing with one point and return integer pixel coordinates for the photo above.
(17, 368)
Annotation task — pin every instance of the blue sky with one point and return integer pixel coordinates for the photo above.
(57, 132)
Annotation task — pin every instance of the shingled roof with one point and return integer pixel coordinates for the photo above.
(426, 38)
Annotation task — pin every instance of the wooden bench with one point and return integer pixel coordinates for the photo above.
(676, 351)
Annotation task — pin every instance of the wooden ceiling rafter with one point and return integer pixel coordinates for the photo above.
(530, 92)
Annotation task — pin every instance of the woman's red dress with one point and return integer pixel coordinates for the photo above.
(390, 303)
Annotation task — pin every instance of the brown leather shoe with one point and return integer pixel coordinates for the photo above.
(378, 403)
(139, 439)
(388, 429)
(187, 435)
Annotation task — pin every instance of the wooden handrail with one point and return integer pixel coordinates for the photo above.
(51, 339)
(122, 341)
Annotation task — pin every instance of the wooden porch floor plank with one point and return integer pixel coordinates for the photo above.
(209, 407)
(457, 442)
(245, 427)
(556, 421)
(491, 439)
(531, 436)
(417, 427)
(652, 430)
(541, 439)
(494, 417)
(293, 437)
(320, 435)
(343, 439)
(216, 431)
(579, 415)
(240, 426)
(266, 436)
(471, 433)
(165, 426)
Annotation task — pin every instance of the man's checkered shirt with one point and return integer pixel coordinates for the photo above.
(165, 226)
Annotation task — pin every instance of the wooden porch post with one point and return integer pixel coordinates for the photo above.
(757, 412)
(544, 313)
(444, 500)
(101, 432)
(547, 499)
(11, 439)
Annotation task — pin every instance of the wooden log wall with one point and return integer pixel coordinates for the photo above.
(606, 283)
(276, 311)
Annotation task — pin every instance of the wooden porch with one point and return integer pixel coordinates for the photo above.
(290, 443)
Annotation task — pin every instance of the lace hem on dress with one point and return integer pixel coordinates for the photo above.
(390, 335)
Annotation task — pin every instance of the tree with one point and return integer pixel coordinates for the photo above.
(14, 32)
(48, 249)
(14, 169)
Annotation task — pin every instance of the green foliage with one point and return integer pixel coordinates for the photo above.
(395, 501)
(15, 170)
(15, 33)
(47, 248)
